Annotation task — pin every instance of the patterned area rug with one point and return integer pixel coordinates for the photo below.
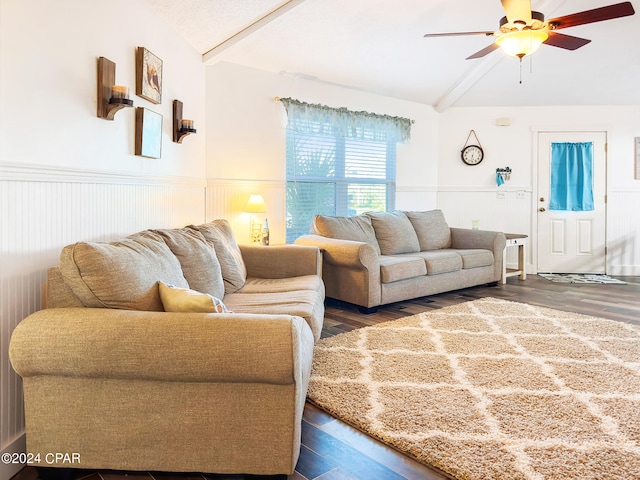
(491, 389)
(580, 278)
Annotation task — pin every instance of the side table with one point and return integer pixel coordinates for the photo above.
(515, 240)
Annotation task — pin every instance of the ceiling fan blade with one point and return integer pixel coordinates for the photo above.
(568, 42)
(456, 34)
(609, 12)
(485, 51)
(517, 10)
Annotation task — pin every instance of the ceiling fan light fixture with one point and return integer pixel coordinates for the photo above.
(521, 43)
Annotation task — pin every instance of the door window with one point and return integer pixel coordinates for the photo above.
(571, 176)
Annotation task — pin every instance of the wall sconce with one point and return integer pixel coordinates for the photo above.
(181, 126)
(111, 97)
(255, 204)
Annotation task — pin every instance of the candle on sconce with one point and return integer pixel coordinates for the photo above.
(120, 91)
(187, 124)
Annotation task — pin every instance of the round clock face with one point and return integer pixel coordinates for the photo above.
(472, 155)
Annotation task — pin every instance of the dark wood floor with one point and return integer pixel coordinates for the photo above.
(332, 450)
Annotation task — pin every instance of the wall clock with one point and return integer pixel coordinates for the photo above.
(472, 154)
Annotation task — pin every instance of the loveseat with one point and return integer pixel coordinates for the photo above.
(173, 350)
(379, 258)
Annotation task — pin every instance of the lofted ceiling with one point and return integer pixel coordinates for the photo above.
(378, 46)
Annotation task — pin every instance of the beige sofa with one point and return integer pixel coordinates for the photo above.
(380, 258)
(110, 375)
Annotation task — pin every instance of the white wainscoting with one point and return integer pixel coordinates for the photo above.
(226, 198)
(416, 198)
(514, 212)
(44, 209)
(498, 209)
(623, 232)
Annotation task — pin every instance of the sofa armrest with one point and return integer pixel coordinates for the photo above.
(281, 261)
(494, 241)
(351, 269)
(162, 346)
(346, 253)
(469, 238)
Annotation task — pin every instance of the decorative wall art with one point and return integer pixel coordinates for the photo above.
(148, 75)
(148, 133)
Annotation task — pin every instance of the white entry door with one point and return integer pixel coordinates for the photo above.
(570, 241)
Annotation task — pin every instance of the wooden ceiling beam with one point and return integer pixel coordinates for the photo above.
(247, 31)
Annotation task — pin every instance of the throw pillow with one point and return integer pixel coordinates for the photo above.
(122, 275)
(358, 229)
(197, 257)
(394, 232)
(220, 235)
(431, 228)
(185, 300)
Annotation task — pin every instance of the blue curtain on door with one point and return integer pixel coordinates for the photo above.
(571, 176)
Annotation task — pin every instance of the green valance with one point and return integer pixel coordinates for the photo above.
(320, 119)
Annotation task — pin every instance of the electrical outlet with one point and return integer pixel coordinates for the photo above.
(500, 195)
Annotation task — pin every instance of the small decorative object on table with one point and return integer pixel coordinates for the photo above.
(265, 233)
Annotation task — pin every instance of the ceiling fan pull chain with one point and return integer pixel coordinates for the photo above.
(520, 70)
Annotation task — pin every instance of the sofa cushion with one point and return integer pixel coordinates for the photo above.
(474, 258)
(220, 235)
(287, 284)
(123, 274)
(431, 228)
(394, 232)
(441, 261)
(358, 229)
(186, 300)
(403, 267)
(197, 257)
(308, 304)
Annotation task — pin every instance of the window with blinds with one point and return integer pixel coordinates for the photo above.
(339, 162)
(329, 174)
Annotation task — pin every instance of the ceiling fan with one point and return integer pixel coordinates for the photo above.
(522, 30)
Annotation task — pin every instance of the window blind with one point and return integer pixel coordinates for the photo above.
(333, 173)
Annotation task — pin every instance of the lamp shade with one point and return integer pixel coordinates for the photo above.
(255, 204)
(521, 43)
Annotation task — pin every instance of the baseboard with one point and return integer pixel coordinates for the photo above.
(624, 270)
(8, 469)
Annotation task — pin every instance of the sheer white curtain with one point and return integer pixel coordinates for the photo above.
(315, 118)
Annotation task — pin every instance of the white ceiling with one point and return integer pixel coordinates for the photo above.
(378, 46)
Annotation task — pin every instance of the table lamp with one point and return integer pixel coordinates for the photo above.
(255, 204)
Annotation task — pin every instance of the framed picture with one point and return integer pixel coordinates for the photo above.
(148, 75)
(148, 133)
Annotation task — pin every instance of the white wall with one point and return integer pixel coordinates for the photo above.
(48, 76)
(246, 141)
(467, 193)
(67, 175)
